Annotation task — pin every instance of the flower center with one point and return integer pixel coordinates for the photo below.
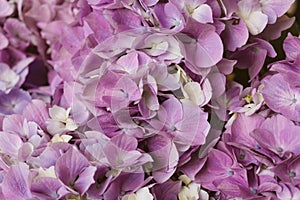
(172, 128)
(279, 150)
(292, 174)
(254, 191)
(190, 9)
(248, 98)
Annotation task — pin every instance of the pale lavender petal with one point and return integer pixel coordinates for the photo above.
(199, 52)
(165, 156)
(250, 12)
(3, 40)
(125, 142)
(274, 9)
(85, 180)
(242, 127)
(169, 16)
(98, 26)
(123, 19)
(16, 183)
(280, 97)
(48, 188)
(14, 102)
(193, 128)
(8, 78)
(6, 8)
(171, 111)
(52, 153)
(14, 27)
(279, 135)
(70, 166)
(37, 111)
(25, 151)
(72, 38)
(288, 191)
(291, 46)
(149, 2)
(203, 14)
(10, 144)
(218, 82)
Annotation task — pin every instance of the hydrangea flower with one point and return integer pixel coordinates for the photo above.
(148, 99)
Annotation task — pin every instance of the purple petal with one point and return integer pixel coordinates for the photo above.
(171, 111)
(37, 111)
(6, 8)
(16, 184)
(14, 102)
(235, 34)
(291, 46)
(123, 19)
(14, 27)
(169, 16)
(98, 26)
(165, 156)
(52, 153)
(252, 56)
(279, 135)
(280, 97)
(225, 66)
(275, 9)
(10, 144)
(149, 2)
(193, 128)
(199, 51)
(242, 127)
(85, 180)
(70, 166)
(273, 31)
(48, 188)
(173, 188)
(3, 40)
(203, 14)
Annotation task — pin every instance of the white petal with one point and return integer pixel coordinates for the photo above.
(204, 195)
(144, 194)
(55, 127)
(50, 172)
(158, 48)
(58, 113)
(256, 22)
(61, 138)
(193, 91)
(71, 125)
(129, 197)
(251, 13)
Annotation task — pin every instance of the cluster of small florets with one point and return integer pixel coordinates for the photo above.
(137, 100)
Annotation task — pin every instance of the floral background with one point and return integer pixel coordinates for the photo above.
(149, 99)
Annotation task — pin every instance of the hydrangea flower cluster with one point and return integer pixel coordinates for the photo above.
(137, 100)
